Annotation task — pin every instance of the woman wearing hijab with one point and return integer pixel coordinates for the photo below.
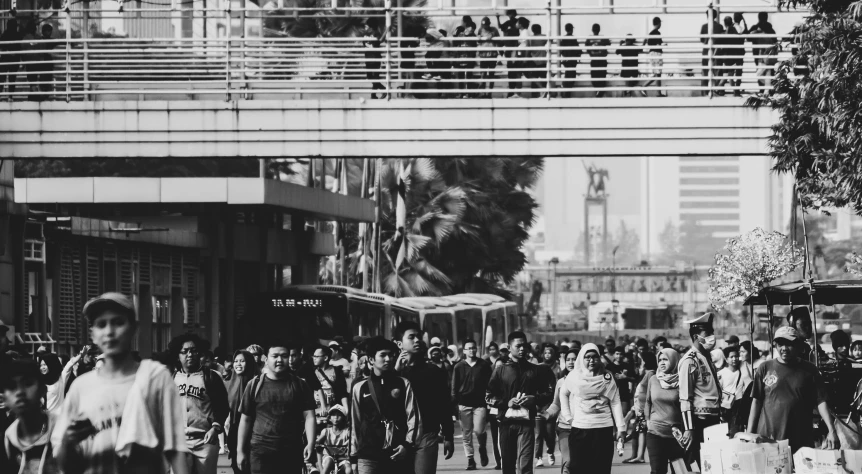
(52, 369)
(649, 367)
(244, 369)
(662, 411)
(590, 399)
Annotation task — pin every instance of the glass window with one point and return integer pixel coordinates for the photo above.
(161, 323)
(495, 326)
(367, 318)
(298, 318)
(469, 324)
(439, 325)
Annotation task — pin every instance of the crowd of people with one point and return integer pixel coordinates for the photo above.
(464, 63)
(376, 405)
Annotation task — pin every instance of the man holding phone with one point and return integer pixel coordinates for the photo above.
(107, 411)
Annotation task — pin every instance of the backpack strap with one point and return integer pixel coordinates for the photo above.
(374, 398)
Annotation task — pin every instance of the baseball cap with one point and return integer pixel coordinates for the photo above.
(732, 340)
(435, 341)
(504, 346)
(334, 344)
(111, 300)
(787, 333)
(338, 409)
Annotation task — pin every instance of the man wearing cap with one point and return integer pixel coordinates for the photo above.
(121, 404)
(732, 341)
(785, 392)
(699, 392)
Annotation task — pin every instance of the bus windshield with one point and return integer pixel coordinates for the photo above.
(303, 318)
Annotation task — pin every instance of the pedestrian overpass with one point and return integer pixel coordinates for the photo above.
(672, 126)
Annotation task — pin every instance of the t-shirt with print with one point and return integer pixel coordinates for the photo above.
(197, 406)
(102, 401)
(278, 411)
(789, 394)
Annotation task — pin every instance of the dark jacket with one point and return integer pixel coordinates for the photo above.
(514, 377)
(367, 430)
(431, 387)
(470, 383)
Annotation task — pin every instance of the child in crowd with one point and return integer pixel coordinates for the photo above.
(27, 441)
(335, 442)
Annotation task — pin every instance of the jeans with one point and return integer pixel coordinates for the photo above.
(546, 434)
(203, 459)
(591, 451)
(516, 446)
(563, 438)
(661, 452)
(473, 421)
(369, 466)
(425, 458)
(495, 438)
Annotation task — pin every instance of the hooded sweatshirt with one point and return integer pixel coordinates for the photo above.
(590, 401)
(35, 458)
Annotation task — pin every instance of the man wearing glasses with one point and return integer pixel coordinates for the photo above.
(204, 399)
(329, 385)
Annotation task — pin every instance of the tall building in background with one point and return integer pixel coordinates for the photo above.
(715, 197)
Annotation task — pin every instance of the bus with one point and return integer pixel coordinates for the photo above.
(369, 313)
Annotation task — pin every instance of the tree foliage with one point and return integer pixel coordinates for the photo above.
(818, 137)
(467, 221)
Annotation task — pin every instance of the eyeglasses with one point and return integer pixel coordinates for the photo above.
(189, 351)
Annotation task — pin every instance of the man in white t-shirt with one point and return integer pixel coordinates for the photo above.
(95, 433)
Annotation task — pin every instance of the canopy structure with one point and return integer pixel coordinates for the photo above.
(826, 292)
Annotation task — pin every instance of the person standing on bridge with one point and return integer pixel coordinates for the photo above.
(597, 48)
(570, 50)
(656, 63)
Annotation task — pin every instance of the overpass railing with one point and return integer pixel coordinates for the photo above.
(87, 69)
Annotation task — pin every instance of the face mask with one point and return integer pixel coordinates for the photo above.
(707, 342)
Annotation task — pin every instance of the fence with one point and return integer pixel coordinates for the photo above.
(75, 69)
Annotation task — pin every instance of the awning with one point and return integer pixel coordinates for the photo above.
(826, 292)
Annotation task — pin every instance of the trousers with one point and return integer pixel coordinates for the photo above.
(565, 456)
(516, 447)
(693, 454)
(425, 457)
(546, 435)
(203, 459)
(473, 422)
(661, 452)
(591, 451)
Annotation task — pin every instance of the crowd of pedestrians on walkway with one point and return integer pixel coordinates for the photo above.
(469, 61)
(386, 406)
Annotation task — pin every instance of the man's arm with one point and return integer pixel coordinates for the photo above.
(687, 382)
(243, 438)
(754, 415)
(310, 428)
(831, 438)
(456, 383)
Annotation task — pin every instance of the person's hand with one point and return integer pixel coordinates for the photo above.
(528, 401)
(308, 451)
(448, 448)
(78, 431)
(621, 436)
(515, 402)
(240, 460)
(831, 441)
(210, 435)
(402, 361)
(399, 453)
(685, 439)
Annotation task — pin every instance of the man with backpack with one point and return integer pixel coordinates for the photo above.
(277, 408)
(204, 397)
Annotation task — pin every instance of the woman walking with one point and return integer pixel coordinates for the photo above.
(637, 412)
(662, 411)
(564, 426)
(244, 369)
(590, 399)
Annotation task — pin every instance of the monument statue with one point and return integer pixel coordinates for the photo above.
(598, 176)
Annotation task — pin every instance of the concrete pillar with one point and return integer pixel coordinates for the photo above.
(227, 336)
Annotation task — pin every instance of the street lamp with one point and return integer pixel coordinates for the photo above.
(554, 261)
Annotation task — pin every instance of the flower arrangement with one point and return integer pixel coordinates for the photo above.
(747, 263)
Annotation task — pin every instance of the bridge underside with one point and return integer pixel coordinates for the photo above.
(398, 128)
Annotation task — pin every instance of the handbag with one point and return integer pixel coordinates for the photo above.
(520, 413)
(389, 427)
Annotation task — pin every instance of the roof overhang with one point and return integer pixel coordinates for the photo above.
(825, 292)
(292, 198)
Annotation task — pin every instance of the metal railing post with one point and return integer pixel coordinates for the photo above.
(548, 59)
(68, 15)
(243, 46)
(388, 6)
(85, 35)
(710, 30)
(229, 35)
